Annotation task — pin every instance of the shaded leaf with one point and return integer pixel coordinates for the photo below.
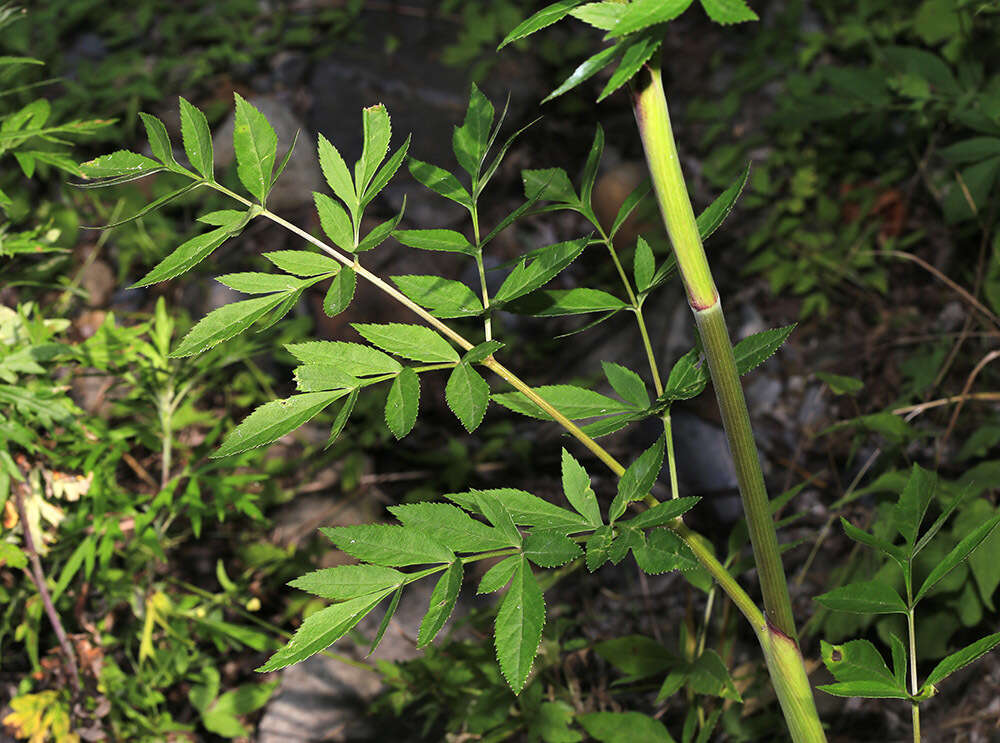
(868, 597)
(551, 184)
(442, 603)
(712, 218)
(546, 264)
(579, 493)
(616, 727)
(352, 358)
(225, 322)
(444, 297)
(574, 402)
(518, 629)
(636, 53)
(643, 265)
(159, 142)
(303, 262)
(526, 509)
(341, 292)
(379, 234)
(467, 394)
(598, 547)
(274, 419)
(481, 352)
(348, 581)
(197, 138)
(587, 69)
(393, 546)
(959, 554)
(414, 342)
(661, 513)
(560, 302)
(402, 403)
(543, 18)
(550, 549)
(255, 145)
(728, 11)
(322, 629)
(638, 478)
(187, 255)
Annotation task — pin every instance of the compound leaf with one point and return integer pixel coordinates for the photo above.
(322, 629)
(467, 394)
(225, 322)
(414, 342)
(389, 545)
(274, 419)
(341, 292)
(575, 403)
(442, 603)
(451, 526)
(542, 19)
(866, 597)
(348, 581)
(197, 138)
(256, 146)
(579, 493)
(518, 629)
(303, 262)
(402, 403)
(335, 222)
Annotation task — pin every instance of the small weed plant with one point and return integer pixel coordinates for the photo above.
(454, 335)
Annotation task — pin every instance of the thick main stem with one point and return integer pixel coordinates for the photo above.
(778, 636)
(653, 119)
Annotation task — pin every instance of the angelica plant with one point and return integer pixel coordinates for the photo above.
(454, 334)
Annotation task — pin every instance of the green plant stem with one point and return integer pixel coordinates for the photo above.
(167, 402)
(487, 319)
(736, 421)
(675, 205)
(914, 684)
(777, 636)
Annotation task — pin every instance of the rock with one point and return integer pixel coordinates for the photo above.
(302, 176)
(98, 280)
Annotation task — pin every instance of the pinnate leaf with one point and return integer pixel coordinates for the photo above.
(352, 358)
(470, 140)
(389, 545)
(543, 18)
(586, 70)
(662, 513)
(728, 11)
(518, 629)
(348, 581)
(959, 554)
(447, 240)
(225, 322)
(754, 350)
(579, 493)
(468, 395)
(716, 213)
(414, 342)
(197, 138)
(254, 282)
(499, 575)
(602, 15)
(575, 403)
(644, 13)
(302, 262)
(627, 384)
(962, 658)
(481, 352)
(860, 671)
(560, 302)
(379, 234)
(322, 629)
(377, 132)
(526, 509)
(386, 172)
(551, 184)
(442, 603)
(636, 53)
(255, 145)
(159, 142)
(451, 526)
(443, 297)
(598, 547)
(337, 176)
(274, 419)
(187, 255)
(440, 181)
(335, 222)
(340, 292)
(643, 265)
(120, 163)
(664, 551)
(917, 495)
(321, 377)
(549, 548)
(866, 597)
(403, 403)
(638, 478)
